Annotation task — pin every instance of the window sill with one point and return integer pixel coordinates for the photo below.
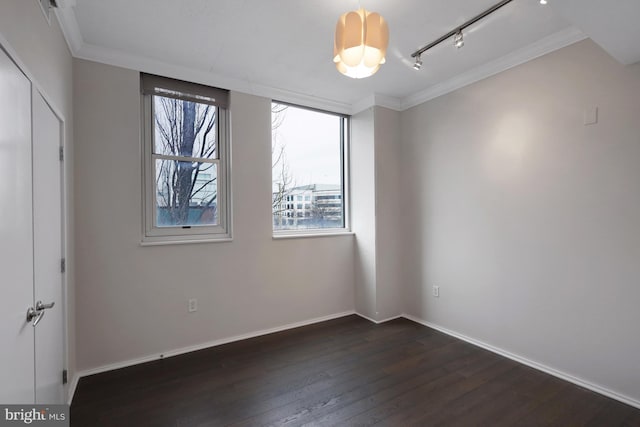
(302, 235)
(184, 241)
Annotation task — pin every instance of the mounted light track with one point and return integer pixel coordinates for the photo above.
(456, 33)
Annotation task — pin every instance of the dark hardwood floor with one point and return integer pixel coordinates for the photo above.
(347, 372)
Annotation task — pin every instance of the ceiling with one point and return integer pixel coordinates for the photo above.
(283, 48)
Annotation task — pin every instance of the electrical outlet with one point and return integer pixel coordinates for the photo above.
(436, 291)
(590, 116)
(193, 305)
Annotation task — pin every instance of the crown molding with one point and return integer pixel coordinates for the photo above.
(70, 29)
(149, 65)
(520, 56)
(306, 100)
(82, 50)
(79, 49)
(377, 100)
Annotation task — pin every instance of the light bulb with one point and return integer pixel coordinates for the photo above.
(418, 64)
(458, 39)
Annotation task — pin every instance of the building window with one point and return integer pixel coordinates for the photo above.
(186, 161)
(309, 159)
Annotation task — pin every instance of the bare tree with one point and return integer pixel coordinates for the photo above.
(281, 176)
(186, 188)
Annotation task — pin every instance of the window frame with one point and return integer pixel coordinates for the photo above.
(345, 155)
(151, 233)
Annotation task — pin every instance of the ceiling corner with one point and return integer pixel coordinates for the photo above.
(378, 100)
(612, 25)
(70, 29)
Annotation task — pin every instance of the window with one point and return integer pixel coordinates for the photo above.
(186, 161)
(309, 159)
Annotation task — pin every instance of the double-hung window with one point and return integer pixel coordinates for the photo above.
(186, 161)
(309, 171)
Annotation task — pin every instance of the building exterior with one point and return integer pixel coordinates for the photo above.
(308, 206)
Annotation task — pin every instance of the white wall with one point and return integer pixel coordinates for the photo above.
(132, 300)
(528, 220)
(375, 170)
(363, 218)
(40, 48)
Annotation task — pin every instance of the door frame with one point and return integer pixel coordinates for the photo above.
(36, 87)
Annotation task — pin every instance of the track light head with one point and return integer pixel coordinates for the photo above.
(543, 1)
(418, 64)
(458, 39)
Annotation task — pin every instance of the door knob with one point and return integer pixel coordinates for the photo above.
(36, 314)
(31, 314)
(40, 306)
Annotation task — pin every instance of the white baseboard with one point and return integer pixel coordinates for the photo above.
(71, 391)
(520, 359)
(535, 365)
(377, 322)
(183, 350)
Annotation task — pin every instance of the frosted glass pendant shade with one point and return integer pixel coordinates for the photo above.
(360, 44)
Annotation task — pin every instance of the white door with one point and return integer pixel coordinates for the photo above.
(48, 250)
(16, 237)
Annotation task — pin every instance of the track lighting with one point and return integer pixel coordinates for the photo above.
(418, 64)
(458, 39)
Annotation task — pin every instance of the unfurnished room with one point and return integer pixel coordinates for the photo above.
(319, 213)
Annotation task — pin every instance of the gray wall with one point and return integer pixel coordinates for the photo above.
(527, 219)
(42, 50)
(389, 213)
(132, 300)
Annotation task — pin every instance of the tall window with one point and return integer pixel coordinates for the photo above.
(186, 154)
(308, 150)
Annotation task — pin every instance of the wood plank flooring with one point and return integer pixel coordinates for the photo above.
(344, 372)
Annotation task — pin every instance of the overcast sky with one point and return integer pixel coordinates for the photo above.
(312, 146)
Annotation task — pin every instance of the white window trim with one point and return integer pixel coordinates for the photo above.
(152, 235)
(316, 233)
(345, 158)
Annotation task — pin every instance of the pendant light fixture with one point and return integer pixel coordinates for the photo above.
(360, 43)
